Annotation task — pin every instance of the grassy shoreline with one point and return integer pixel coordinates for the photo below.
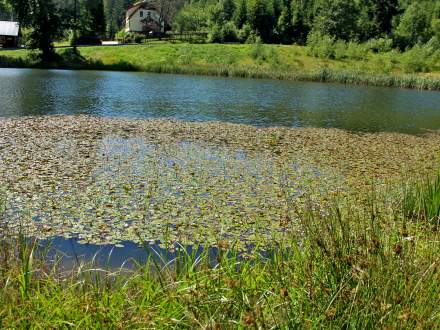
(352, 259)
(344, 269)
(246, 61)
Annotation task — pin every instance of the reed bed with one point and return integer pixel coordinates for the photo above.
(357, 267)
(310, 228)
(246, 61)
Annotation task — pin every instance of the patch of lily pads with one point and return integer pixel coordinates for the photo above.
(105, 181)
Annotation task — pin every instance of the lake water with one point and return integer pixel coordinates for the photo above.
(192, 98)
(255, 102)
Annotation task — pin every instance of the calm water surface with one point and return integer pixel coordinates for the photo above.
(254, 102)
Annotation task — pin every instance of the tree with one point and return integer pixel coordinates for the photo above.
(376, 17)
(284, 25)
(192, 17)
(337, 18)
(240, 14)
(166, 9)
(415, 23)
(114, 14)
(302, 13)
(228, 9)
(5, 11)
(43, 19)
(261, 18)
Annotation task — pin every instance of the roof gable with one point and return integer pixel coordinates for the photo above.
(9, 28)
(137, 6)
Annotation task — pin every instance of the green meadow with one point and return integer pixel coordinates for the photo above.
(353, 64)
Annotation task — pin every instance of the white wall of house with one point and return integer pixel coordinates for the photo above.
(134, 23)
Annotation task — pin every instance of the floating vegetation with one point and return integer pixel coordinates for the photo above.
(105, 180)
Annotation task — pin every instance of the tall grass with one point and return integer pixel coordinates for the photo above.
(422, 200)
(353, 267)
(249, 61)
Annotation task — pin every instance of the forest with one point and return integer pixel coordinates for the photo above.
(404, 22)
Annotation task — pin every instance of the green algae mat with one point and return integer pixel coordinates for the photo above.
(105, 181)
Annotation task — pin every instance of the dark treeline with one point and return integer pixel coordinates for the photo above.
(95, 17)
(43, 21)
(407, 22)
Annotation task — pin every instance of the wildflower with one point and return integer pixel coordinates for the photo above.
(284, 293)
(330, 313)
(249, 319)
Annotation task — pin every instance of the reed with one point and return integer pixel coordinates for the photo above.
(246, 61)
(354, 266)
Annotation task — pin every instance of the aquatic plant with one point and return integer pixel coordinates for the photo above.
(111, 180)
(353, 266)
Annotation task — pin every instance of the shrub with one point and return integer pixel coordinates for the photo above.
(258, 52)
(229, 32)
(121, 35)
(381, 45)
(25, 36)
(215, 35)
(420, 58)
(132, 37)
(253, 38)
(356, 51)
(322, 46)
(340, 49)
(244, 33)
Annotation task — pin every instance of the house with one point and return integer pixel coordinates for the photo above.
(143, 17)
(9, 34)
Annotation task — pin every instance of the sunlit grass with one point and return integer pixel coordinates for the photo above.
(252, 61)
(356, 266)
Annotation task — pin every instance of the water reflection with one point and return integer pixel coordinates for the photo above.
(70, 253)
(255, 102)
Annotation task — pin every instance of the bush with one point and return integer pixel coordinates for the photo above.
(259, 52)
(215, 35)
(121, 35)
(226, 33)
(322, 46)
(229, 32)
(130, 37)
(253, 38)
(381, 45)
(420, 58)
(25, 36)
(340, 50)
(356, 51)
(244, 33)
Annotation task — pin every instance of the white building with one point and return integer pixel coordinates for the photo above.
(9, 34)
(143, 17)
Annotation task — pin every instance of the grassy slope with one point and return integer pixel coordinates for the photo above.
(262, 61)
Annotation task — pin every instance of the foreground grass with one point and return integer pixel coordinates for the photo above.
(252, 61)
(354, 267)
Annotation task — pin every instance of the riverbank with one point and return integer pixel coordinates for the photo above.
(306, 227)
(250, 61)
(377, 267)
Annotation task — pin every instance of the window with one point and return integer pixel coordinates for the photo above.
(141, 13)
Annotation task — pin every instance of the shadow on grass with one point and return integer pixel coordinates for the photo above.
(66, 59)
